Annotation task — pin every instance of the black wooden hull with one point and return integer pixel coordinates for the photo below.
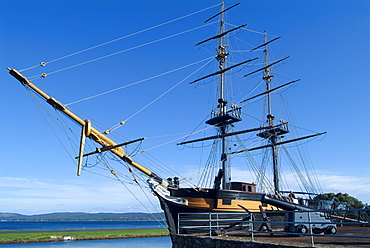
(210, 200)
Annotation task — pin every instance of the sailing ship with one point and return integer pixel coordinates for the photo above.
(216, 191)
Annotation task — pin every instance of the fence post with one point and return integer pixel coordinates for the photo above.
(210, 224)
(310, 228)
(178, 223)
(217, 227)
(251, 225)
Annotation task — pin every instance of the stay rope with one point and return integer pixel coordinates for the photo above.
(101, 160)
(117, 39)
(258, 170)
(38, 105)
(163, 94)
(128, 189)
(135, 83)
(126, 50)
(180, 138)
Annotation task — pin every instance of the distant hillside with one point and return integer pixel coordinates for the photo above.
(82, 216)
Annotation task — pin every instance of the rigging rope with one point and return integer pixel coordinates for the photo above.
(123, 37)
(137, 183)
(141, 81)
(101, 160)
(307, 184)
(33, 97)
(127, 188)
(259, 171)
(125, 50)
(250, 30)
(208, 172)
(166, 169)
(187, 135)
(120, 124)
(62, 126)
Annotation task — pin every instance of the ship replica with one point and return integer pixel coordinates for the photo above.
(224, 195)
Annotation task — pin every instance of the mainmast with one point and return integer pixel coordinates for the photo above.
(270, 117)
(275, 133)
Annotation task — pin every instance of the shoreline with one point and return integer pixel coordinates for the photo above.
(37, 236)
(76, 230)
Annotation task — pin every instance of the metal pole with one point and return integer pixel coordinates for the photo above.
(178, 223)
(218, 227)
(251, 224)
(310, 228)
(210, 225)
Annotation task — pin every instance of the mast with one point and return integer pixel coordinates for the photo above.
(275, 132)
(270, 118)
(222, 118)
(221, 57)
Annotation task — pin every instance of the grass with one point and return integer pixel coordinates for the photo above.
(85, 235)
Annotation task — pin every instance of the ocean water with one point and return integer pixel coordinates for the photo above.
(151, 242)
(57, 225)
(157, 242)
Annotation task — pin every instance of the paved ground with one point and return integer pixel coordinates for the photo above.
(319, 241)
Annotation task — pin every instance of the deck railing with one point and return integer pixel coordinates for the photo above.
(291, 223)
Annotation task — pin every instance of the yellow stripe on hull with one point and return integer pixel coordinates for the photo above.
(207, 204)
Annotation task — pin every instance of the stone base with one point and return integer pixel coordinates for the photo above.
(188, 241)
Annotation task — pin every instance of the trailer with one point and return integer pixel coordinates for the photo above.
(301, 222)
(301, 218)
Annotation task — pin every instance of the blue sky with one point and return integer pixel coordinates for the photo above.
(327, 42)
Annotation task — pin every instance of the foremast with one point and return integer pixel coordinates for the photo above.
(221, 118)
(221, 57)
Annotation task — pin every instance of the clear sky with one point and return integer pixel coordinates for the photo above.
(327, 41)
